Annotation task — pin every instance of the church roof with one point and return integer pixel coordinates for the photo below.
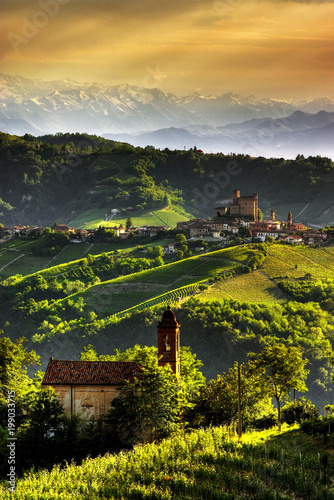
(60, 372)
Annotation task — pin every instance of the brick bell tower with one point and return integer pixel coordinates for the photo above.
(169, 341)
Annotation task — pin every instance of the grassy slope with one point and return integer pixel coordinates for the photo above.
(199, 465)
(29, 264)
(279, 264)
(253, 287)
(126, 291)
(95, 217)
(116, 295)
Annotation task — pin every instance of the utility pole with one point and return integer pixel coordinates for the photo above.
(239, 407)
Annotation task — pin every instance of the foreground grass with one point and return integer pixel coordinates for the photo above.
(204, 464)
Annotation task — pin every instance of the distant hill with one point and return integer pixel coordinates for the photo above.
(64, 106)
(300, 132)
(64, 177)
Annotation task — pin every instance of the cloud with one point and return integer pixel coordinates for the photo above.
(178, 45)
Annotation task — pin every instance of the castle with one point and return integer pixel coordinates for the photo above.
(241, 206)
(246, 206)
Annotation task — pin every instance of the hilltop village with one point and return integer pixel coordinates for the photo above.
(241, 219)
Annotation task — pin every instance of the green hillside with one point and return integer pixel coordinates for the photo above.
(281, 262)
(56, 179)
(225, 309)
(165, 217)
(201, 465)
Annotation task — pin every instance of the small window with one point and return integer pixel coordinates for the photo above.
(87, 403)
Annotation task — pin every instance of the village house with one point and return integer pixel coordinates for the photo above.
(314, 238)
(200, 229)
(293, 239)
(87, 388)
(63, 228)
(118, 230)
(151, 230)
(186, 224)
(262, 235)
(17, 229)
(169, 249)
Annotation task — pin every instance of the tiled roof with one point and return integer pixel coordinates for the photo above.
(90, 372)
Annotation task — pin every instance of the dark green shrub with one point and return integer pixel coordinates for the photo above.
(299, 411)
(265, 422)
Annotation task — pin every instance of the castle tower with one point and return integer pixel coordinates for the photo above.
(272, 215)
(289, 221)
(169, 341)
(236, 196)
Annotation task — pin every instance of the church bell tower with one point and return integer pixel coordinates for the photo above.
(169, 341)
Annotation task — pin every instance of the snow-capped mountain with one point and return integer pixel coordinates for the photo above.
(67, 106)
(227, 122)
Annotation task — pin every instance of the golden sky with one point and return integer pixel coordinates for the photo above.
(275, 48)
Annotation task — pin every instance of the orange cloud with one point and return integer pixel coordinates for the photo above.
(285, 47)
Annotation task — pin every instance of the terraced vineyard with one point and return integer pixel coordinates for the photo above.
(283, 261)
(253, 287)
(125, 292)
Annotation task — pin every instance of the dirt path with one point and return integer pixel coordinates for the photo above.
(302, 211)
(11, 262)
(88, 249)
(53, 258)
(281, 294)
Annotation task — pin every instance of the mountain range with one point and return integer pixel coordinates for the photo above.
(225, 123)
(299, 133)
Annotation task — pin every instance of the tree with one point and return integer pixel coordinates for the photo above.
(278, 369)
(158, 261)
(259, 214)
(217, 402)
(167, 200)
(128, 223)
(180, 238)
(153, 252)
(14, 360)
(150, 405)
(179, 255)
(45, 414)
(148, 357)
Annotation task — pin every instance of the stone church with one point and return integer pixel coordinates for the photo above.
(87, 388)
